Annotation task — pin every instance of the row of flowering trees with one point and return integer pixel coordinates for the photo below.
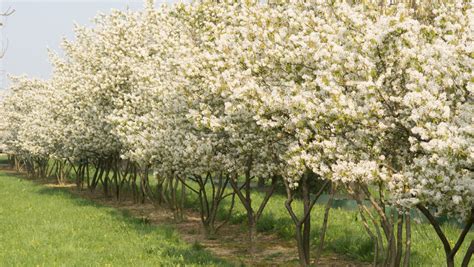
(376, 102)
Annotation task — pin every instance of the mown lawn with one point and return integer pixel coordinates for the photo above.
(41, 226)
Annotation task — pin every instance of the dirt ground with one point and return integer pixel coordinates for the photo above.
(231, 243)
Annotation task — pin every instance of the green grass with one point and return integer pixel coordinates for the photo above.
(345, 234)
(41, 226)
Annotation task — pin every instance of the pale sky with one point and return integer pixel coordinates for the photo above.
(38, 25)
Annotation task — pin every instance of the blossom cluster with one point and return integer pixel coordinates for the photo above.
(356, 94)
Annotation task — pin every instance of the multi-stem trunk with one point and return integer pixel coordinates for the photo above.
(245, 198)
(449, 251)
(303, 224)
(210, 193)
(388, 222)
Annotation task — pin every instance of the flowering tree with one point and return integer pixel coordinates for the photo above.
(430, 105)
(26, 118)
(415, 124)
(246, 151)
(290, 53)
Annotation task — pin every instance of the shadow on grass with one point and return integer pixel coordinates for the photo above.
(4, 161)
(191, 254)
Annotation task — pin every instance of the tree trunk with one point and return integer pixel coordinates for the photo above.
(307, 220)
(468, 256)
(324, 227)
(252, 233)
(406, 260)
(398, 258)
(246, 200)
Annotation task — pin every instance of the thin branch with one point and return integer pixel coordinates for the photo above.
(186, 184)
(465, 231)
(8, 12)
(435, 224)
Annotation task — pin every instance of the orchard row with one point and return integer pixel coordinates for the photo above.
(374, 102)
